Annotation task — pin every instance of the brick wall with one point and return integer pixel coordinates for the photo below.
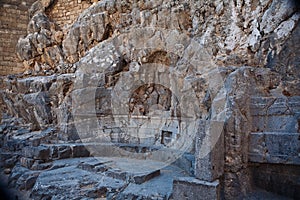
(13, 25)
(65, 12)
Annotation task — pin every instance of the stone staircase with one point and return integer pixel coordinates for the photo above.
(46, 168)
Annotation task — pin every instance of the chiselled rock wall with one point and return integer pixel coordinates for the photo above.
(235, 33)
(154, 77)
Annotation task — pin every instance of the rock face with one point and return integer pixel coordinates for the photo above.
(159, 83)
(235, 33)
(41, 45)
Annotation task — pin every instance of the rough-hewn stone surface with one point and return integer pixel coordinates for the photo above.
(280, 179)
(277, 147)
(183, 82)
(13, 24)
(192, 188)
(274, 147)
(64, 13)
(245, 34)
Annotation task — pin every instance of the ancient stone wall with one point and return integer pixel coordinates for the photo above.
(155, 78)
(65, 12)
(15, 16)
(13, 24)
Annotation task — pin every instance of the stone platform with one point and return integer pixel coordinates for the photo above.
(98, 177)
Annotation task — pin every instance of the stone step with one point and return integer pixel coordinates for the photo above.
(274, 147)
(146, 179)
(110, 169)
(37, 157)
(74, 150)
(137, 178)
(48, 152)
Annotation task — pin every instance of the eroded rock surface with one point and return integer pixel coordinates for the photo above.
(156, 83)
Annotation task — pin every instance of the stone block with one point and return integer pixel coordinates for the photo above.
(261, 106)
(40, 105)
(94, 165)
(141, 178)
(40, 152)
(274, 114)
(275, 123)
(209, 155)
(125, 175)
(41, 137)
(103, 150)
(274, 147)
(116, 173)
(35, 142)
(194, 189)
(79, 150)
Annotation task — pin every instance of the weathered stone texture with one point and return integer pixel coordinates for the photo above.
(272, 147)
(215, 81)
(64, 13)
(245, 33)
(210, 167)
(15, 16)
(192, 188)
(280, 179)
(275, 130)
(275, 114)
(13, 24)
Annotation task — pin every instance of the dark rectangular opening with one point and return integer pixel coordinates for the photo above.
(166, 137)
